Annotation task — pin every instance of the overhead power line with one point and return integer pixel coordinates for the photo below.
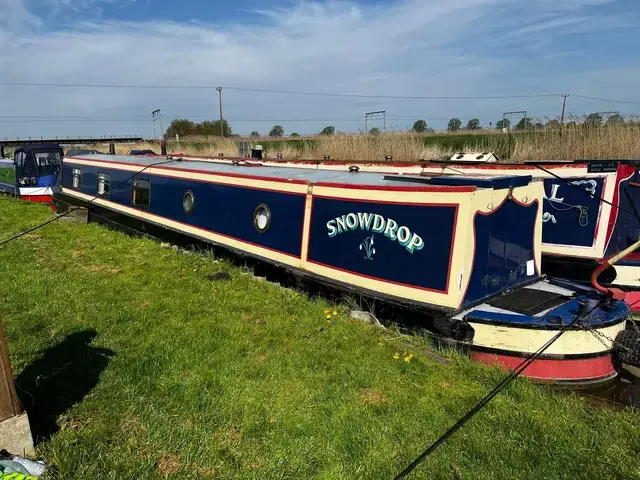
(630, 102)
(407, 97)
(287, 92)
(319, 94)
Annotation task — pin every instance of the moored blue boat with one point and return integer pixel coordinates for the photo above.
(32, 173)
(582, 224)
(467, 249)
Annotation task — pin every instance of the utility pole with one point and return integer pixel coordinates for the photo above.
(219, 89)
(380, 112)
(564, 102)
(156, 115)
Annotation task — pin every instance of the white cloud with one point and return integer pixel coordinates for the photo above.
(443, 47)
(14, 15)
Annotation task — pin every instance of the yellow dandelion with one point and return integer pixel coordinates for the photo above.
(396, 356)
(328, 316)
(327, 311)
(335, 313)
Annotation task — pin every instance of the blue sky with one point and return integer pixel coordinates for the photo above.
(403, 48)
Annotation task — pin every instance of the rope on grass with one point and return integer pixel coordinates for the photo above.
(495, 391)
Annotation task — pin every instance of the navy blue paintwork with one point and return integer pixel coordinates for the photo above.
(427, 268)
(222, 209)
(46, 181)
(497, 183)
(572, 221)
(7, 188)
(598, 315)
(627, 227)
(504, 245)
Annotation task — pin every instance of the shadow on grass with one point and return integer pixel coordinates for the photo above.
(59, 379)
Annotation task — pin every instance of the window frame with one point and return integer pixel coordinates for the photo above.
(193, 202)
(265, 207)
(104, 176)
(135, 187)
(76, 173)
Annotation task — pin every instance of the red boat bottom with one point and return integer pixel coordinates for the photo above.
(551, 370)
(37, 198)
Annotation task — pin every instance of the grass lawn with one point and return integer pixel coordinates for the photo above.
(7, 175)
(133, 364)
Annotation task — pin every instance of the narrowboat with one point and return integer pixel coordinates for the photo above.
(582, 226)
(32, 173)
(463, 249)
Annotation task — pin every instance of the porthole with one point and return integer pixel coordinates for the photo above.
(262, 218)
(188, 202)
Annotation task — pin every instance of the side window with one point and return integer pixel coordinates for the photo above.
(104, 184)
(141, 192)
(20, 158)
(76, 178)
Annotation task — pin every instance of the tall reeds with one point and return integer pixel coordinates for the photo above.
(566, 143)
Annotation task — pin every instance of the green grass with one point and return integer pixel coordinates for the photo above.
(7, 175)
(240, 378)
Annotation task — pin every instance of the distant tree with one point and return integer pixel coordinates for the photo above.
(420, 126)
(553, 123)
(539, 126)
(210, 128)
(276, 131)
(254, 134)
(615, 119)
(524, 124)
(226, 128)
(593, 120)
(330, 130)
(294, 134)
(571, 124)
(182, 127)
(504, 123)
(454, 125)
(374, 131)
(473, 124)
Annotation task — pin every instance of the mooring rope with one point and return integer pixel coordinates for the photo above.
(495, 391)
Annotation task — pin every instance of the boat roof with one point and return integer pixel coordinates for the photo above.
(39, 146)
(319, 177)
(426, 163)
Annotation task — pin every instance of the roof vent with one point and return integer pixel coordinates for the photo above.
(478, 157)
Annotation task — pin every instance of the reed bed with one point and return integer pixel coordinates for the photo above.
(567, 143)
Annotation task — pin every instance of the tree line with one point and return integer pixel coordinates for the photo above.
(184, 127)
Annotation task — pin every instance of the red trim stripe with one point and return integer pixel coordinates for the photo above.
(37, 198)
(550, 370)
(191, 170)
(453, 244)
(433, 188)
(623, 173)
(382, 280)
